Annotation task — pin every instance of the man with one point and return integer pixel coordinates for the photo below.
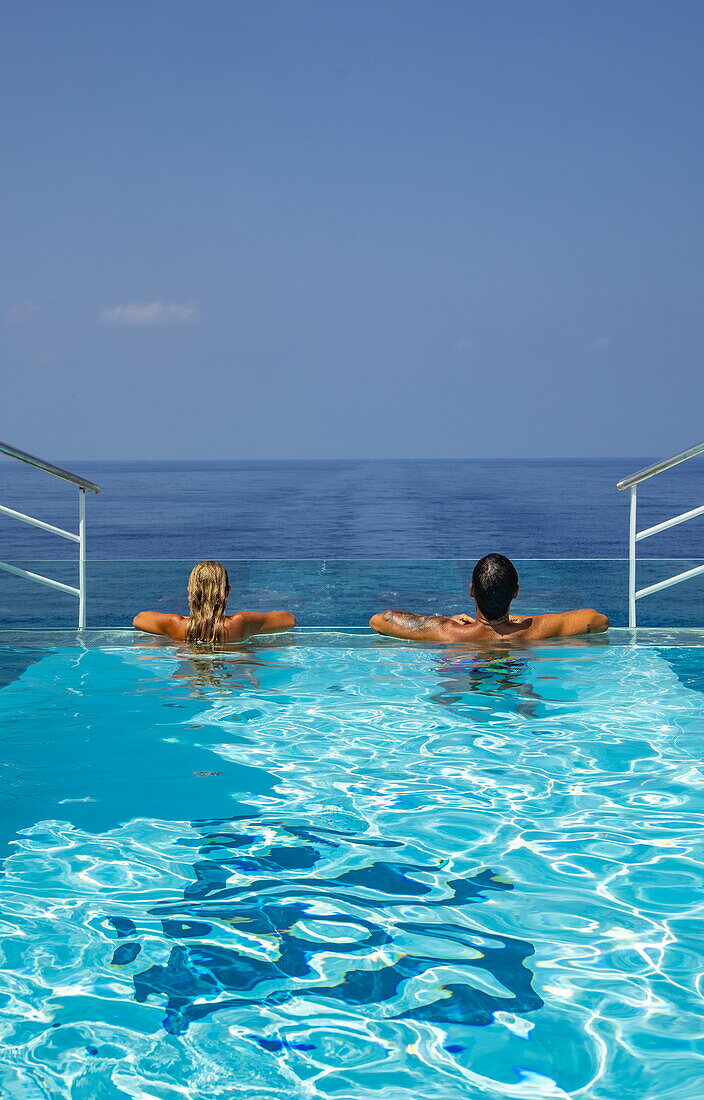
(494, 586)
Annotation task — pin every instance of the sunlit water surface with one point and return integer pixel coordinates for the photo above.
(335, 868)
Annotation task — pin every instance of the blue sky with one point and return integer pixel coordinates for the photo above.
(359, 229)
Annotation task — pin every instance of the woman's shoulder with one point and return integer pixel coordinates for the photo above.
(160, 622)
(234, 625)
(174, 625)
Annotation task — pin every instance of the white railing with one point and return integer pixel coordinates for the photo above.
(635, 535)
(82, 485)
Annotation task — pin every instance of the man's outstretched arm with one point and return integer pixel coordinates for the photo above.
(404, 624)
(569, 624)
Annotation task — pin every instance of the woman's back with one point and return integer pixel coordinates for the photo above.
(208, 591)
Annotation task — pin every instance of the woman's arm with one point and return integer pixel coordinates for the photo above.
(156, 622)
(247, 623)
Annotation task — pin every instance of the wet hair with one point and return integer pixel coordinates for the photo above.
(495, 582)
(207, 596)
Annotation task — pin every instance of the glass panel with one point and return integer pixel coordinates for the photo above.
(327, 593)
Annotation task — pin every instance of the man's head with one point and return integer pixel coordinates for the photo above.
(494, 585)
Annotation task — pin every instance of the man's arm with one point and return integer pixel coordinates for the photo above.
(157, 622)
(404, 624)
(569, 624)
(247, 623)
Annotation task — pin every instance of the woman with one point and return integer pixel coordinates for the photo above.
(208, 589)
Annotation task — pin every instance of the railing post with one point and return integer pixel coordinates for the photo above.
(82, 559)
(632, 561)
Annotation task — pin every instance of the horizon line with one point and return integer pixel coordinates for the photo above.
(468, 458)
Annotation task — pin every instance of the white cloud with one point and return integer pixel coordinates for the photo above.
(21, 312)
(148, 313)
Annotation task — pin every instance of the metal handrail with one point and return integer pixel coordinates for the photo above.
(660, 467)
(83, 485)
(15, 452)
(634, 535)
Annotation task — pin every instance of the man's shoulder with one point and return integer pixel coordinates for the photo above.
(453, 631)
(538, 626)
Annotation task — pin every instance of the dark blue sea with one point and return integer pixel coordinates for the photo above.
(444, 514)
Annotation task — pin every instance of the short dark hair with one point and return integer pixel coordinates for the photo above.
(495, 582)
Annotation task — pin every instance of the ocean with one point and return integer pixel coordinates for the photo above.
(352, 509)
(329, 512)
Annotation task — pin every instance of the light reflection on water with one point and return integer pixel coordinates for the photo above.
(333, 871)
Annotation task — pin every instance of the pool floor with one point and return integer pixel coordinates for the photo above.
(330, 866)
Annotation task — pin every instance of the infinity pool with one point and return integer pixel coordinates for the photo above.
(326, 865)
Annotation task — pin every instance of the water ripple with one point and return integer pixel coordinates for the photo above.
(416, 873)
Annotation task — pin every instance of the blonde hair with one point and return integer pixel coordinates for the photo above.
(208, 587)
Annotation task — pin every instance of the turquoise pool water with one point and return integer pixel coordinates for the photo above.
(326, 865)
